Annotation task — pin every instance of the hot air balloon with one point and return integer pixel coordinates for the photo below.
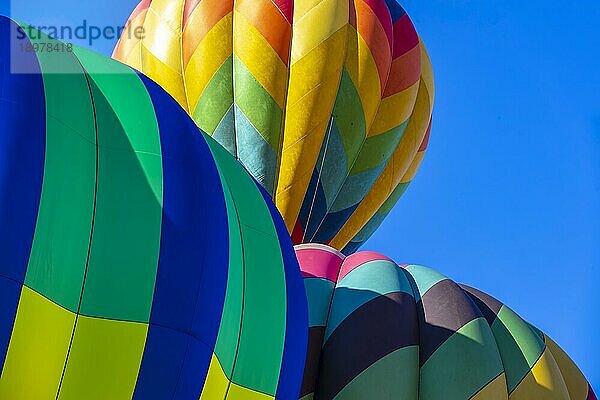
(139, 260)
(327, 104)
(379, 330)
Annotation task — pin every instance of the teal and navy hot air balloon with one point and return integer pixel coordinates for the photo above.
(139, 260)
(379, 330)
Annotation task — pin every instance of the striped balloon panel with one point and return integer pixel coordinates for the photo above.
(535, 366)
(400, 169)
(376, 220)
(261, 47)
(119, 280)
(313, 97)
(380, 330)
(372, 109)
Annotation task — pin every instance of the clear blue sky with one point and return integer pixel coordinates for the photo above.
(508, 197)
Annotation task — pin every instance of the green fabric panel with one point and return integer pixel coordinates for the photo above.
(262, 337)
(231, 317)
(216, 99)
(393, 198)
(541, 336)
(395, 376)
(519, 346)
(378, 149)
(464, 364)
(349, 118)
(56, 267)
(356, 187)
(127, 226)
(257, 105)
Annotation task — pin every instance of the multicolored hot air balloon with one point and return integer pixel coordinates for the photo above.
(379, 330)
(326, 103)
(139, 259)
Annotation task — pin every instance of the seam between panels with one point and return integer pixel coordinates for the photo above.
(415, 292)
(193, 320)
(143, 36)
(350, 4)
(185, 92)
(337, 278)
(312, 204)
(526, 373)
(367, 130)
(487, 384)
(93, 221)
(508, 390)
(239, 338)
(343, 66)
(233, 103)
(284, 109)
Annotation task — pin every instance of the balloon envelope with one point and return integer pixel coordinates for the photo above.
(379, 330)
(139, 260)
(327, 104)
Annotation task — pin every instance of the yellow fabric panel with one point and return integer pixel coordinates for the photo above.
(413, 136)
(212, 52)
(317, 68)
(314, 81)
(161, 47)
(168, 78)
(427, 74)
(576, 383)
(543, 382)
(163, 31)
(216, 384)
(400, 162)
(495, 390)
(394, 110)
(303, 6)
(203, 19)
(313, 25)
(103, 349)
(37, 350)
(414, 167)
(260, 58)
(241, 393)
(363, 72)
(134, 58)
(128, 49)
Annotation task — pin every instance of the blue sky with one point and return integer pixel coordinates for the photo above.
(508, 197)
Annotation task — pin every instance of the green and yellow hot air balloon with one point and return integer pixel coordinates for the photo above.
(139, 259)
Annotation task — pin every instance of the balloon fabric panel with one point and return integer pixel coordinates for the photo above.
(122, 258)
(315, 98)
(383, 330)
